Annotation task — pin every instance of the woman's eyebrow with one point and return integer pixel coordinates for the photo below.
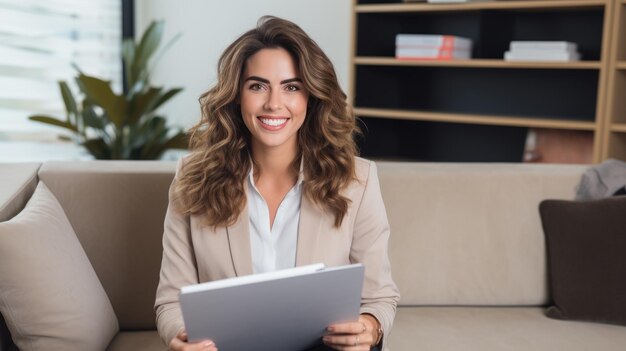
(263, 80)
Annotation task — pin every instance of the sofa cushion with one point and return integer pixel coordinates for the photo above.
(470, 234)
(498, 328)
(125, 252)
(586, 243)
(49, 294)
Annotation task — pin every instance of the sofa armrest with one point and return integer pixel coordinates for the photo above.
(17, 183)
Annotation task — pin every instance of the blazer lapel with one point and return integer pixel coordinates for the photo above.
(311, 218)
(239, 243)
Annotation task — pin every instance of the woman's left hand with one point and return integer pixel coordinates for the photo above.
(352, 336)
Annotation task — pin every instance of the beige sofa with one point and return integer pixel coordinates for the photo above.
(467, 249)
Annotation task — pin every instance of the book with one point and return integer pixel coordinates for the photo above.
(540, 52)
(429, 41)
(543, 45)
(431, 54)
(547, 56)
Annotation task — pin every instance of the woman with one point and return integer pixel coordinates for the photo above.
(273, 182)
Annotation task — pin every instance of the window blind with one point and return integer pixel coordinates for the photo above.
(39, 42)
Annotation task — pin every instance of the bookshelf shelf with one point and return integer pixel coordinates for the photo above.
(478, 63)
(496, 5)
(476, 119)
(618, 127)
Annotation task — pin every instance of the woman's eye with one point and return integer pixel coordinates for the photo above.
(293, 88)
(256, 86)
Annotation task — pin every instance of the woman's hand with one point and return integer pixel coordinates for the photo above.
(179, 343)
(353, 336)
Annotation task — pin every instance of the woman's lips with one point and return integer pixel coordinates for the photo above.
(273, 123)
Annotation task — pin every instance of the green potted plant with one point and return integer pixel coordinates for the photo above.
(122, 126)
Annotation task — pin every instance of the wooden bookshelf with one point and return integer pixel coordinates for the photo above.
(618, 127)
(502, 96)
(614, 131)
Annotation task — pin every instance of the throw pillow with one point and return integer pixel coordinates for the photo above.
(50, 295)
(586, 242)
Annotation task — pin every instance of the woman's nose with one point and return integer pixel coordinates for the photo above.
(273, 101)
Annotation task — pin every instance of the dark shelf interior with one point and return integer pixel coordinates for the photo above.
(440, 142)
(557, 94)
(490, 30)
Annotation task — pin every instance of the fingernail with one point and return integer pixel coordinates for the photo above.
(330, 329)
(208, 344)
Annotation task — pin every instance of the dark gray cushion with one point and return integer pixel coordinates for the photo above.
(586, 242)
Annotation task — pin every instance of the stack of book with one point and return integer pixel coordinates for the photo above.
(432, 47)
(562, 51)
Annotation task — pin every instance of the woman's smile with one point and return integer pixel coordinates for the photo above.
(273, 123)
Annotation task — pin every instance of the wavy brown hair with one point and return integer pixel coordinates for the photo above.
(211, 181)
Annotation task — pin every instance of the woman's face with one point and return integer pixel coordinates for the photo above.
(273, 100)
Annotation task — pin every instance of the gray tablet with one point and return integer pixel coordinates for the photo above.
(284, 310)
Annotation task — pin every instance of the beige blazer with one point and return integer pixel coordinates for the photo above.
(193, 253)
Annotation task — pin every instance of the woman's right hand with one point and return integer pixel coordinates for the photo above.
(179, 343)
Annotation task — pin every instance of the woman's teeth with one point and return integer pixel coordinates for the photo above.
(273, 121)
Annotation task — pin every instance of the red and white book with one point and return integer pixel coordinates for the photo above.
(430, 41)
(405, 53)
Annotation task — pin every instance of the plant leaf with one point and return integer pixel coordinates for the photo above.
(128, 56)
(143, 103)
(165, 97)
(147, 46)
(98, 148)
(156, 129)
(142, 77)
(179, 141)
(53, 121)
(165, 48)
(97, 122)
(70, 103)
(99, 93)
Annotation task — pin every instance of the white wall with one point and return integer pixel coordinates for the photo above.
(209, 26)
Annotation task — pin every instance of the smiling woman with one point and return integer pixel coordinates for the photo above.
(273, 108)
(273, 182)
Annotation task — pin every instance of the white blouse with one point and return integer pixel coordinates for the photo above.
(273, 248)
